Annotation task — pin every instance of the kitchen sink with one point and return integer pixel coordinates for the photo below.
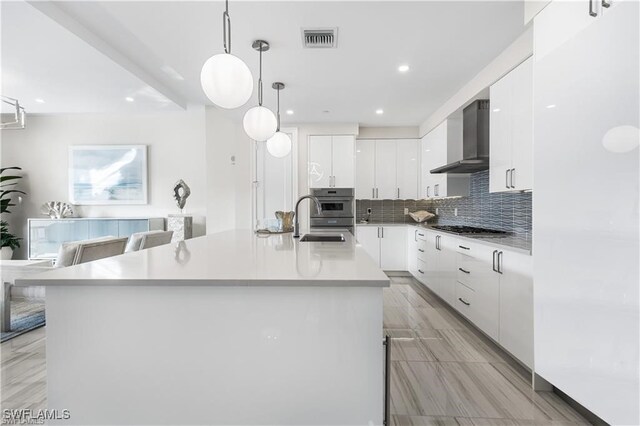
(322, 238)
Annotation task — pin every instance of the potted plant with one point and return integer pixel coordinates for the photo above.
(8, 241)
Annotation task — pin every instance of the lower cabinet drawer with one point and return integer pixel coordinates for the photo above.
(465, 300)
(422, 271)
(422, 250)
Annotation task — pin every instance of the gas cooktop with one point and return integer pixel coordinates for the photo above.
(469, 230)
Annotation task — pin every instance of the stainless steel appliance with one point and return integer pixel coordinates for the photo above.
(337, 209)
(461, 230)
(475, 140)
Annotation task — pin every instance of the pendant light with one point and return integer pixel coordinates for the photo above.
(259, 122)
(279, 145)
(225, 78)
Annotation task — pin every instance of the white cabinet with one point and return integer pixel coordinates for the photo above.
(586, 310)
(412, 249)
(365, 169)
(516, 305)
(407, 166)
(387, 245)
(369, 239)
(387, 169)
(441, 146)
(511, 130)
(490, 286)
(331, 161)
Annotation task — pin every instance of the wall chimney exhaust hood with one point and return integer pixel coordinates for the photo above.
(475, 140)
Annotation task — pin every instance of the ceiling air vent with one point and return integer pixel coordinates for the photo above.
(319, 38)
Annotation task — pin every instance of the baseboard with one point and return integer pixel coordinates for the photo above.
(398, 274)
(584, 412)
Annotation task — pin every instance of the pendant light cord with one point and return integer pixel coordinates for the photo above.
(226, 28)
(278, 111)
(260, 80)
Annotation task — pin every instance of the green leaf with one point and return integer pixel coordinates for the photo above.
(2, 170)
(6, 178)
(3, 193)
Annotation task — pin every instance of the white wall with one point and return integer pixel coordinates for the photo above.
(176, 150)
(228, 181)
(405, 132)
(511, 57)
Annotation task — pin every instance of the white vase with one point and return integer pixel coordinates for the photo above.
(6, 253)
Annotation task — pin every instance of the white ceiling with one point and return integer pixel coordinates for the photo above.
(164, 44)
(42, 60)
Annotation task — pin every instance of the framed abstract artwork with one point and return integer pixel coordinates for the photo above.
(108, 174)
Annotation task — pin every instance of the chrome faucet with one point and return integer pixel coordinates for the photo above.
(296, 224)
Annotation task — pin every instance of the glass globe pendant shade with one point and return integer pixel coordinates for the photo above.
(260, 123)
(226, 80)
(279, 145)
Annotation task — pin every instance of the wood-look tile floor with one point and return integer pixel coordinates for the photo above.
(443, 372)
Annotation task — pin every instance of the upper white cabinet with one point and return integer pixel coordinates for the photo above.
(511, 130)
(387, 169)
(331, 161)
(586, 120)
(442, 145)
(387, 245)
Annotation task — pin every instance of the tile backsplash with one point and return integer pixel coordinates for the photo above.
(510, 212)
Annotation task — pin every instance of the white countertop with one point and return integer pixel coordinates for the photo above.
(231, 258)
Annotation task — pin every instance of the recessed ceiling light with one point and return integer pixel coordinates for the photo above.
(379, 111)
(551, 106)
(129, 99)
(39, 100)
(403, 68)
(289, 112)
(496, 110)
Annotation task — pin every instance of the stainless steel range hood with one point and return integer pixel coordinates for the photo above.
(475, 140)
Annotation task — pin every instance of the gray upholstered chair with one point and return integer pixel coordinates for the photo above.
(94, 250)
(145, 240)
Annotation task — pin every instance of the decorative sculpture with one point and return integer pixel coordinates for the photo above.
(57, 209)
(181, 192)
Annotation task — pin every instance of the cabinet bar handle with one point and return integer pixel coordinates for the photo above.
(373, 193)
(421, 251)
(591, 11)
(464, 270)
(378, 232)
(398, 193)
(387, 380)
(506, 178)
(605, 4)
(436, 189)
(465, 248)
(421, 271)
(377, 193)
(464, 301)
(494, 261)
(415, 235)
(500, 262)
(422, 235)
(382, 231)
(428, 191)
(513, 178)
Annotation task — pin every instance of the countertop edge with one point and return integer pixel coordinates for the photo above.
(29, 282)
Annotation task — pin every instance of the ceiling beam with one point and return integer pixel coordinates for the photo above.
(52, 11)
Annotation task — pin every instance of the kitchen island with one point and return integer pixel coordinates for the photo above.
(230, 328)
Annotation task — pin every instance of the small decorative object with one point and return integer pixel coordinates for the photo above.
(181, 192)
(285, 221)
(421, 216)
(181, 225)
(57, 209)
(108, 174)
